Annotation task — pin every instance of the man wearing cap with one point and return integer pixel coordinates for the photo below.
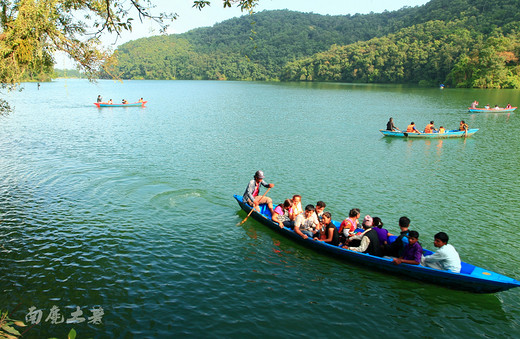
(252, 196)
(369, 239)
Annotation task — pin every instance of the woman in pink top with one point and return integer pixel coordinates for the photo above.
(283, 215)
(348, 225)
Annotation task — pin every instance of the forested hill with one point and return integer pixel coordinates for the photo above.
(452, 41)
(250, 47)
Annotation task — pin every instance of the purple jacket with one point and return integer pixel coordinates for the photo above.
(382, 234)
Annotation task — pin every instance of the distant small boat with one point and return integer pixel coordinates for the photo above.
(448, 134)
(133, 104)
(491, 110)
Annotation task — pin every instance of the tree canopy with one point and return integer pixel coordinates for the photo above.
(32, 30)
(464, 43)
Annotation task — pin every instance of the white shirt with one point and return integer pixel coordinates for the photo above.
(306, 224)
(446, 258)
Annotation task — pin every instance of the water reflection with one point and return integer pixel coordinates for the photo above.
(439, 146)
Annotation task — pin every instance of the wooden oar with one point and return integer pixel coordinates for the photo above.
(253, 208)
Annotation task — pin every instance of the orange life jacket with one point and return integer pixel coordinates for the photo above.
(428, 128)
(410, 129)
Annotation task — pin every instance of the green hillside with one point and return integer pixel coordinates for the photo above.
(469, 43)
(250, 47)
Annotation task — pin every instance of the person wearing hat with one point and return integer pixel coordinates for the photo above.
(252, 196)
(369, 240)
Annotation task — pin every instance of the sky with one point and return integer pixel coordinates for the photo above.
(190, 18)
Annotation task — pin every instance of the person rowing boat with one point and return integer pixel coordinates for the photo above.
(251, 195)
(390, 125)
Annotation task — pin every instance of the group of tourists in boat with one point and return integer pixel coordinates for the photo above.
(430, 128)
(488, 109)
(111, 102)
(474, 105)
(370, 237)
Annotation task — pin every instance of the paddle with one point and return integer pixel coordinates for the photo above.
(253, 208)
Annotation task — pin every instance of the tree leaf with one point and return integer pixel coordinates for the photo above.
(11, 330)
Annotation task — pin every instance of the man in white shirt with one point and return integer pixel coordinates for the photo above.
(446, 258)
(305, 224)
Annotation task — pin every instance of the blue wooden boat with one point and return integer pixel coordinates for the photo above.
(471, 278)
(133, 104)
(447, 134)
(491, 110)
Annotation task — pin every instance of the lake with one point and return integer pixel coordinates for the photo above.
(125, 217)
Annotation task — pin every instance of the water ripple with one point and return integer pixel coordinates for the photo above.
(132, 210)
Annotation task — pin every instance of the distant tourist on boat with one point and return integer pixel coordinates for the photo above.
(99, 99)
(487, 106)
(474, 104)
(430, 128)
(412, 129)
(140, 100)
(369, 240)
(252, 196)
(124, 101)
(396, 248)
(508, 106)
(441, 129)
(306, 224)
(497, 107)
(283, 214)
(446, 258)
(390, 125)
(331, 234)
(110, 102)
(412, 253)
(463, 126)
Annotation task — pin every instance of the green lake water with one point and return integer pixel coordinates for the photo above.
(131, 209)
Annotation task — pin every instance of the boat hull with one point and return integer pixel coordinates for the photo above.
(447, 134)
(491, 110)
(472, 278)
(133, 104)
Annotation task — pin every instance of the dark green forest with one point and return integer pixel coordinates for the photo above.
(461, 43)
